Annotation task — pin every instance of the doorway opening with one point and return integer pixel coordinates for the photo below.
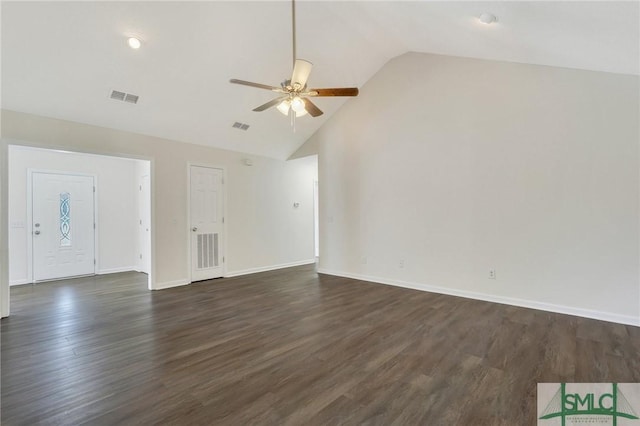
(75, 214)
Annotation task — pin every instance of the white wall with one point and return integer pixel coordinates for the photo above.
(263, 228)
(456, 165)
(116, 231)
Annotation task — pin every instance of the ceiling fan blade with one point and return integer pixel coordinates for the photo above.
(338, 91)
(258, 85)
(272, 102)
(311, 108)
(301, 71)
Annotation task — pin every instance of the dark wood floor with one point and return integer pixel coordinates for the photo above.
(289, 347)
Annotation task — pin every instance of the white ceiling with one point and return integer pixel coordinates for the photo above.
(62, 59)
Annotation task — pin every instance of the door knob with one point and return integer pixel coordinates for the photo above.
(37, 232)
(194, 229)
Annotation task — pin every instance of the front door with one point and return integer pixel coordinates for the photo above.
(62, 227)
(206, 206)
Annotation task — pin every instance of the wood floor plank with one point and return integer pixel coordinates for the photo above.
(288, 347)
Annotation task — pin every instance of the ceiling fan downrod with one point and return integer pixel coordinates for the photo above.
(293, 29)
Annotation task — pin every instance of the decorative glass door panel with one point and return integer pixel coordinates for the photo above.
(63, 232)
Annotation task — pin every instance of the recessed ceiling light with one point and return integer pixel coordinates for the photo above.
(134, 43)
(487, 18)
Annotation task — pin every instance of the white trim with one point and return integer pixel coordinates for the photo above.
(170, 284)
(5, 294)
(531, 304)
(152, 223)
(316, 216)
(29, 225)
(96, 224)
(143, 235)
(19, 282)
(269, 268)
(116, 270)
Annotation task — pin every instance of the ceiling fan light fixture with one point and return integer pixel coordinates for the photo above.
(297, 104)
(284, 106)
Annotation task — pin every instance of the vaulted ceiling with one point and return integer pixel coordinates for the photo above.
(63, 59)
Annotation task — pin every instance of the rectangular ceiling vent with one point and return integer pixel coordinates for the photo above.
(240, 126)
(118, 96)
(132, 99)
(124, 97)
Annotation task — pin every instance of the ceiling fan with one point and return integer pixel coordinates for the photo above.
(294, 94)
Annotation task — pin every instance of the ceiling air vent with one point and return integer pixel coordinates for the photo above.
(132, 99)
(240, 126)
(119, 96)
(124, 97)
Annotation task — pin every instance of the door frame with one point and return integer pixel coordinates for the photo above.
(224, 215)
(29, 234)
(316, 219)
(140, 235)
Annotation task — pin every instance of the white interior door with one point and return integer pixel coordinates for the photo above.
(63, 229)
(206, 207)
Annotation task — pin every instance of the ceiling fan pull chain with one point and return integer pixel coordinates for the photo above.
(293, 119)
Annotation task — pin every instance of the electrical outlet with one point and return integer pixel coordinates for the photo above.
(363, 260)
(492, 274)
(401, 263)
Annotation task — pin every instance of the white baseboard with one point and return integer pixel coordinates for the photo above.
(98, 272)
(116, 270)
(177, 283)
(532, 304)
(169, 284)
(268, 268)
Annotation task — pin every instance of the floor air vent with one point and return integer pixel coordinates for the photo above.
(208, 251)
